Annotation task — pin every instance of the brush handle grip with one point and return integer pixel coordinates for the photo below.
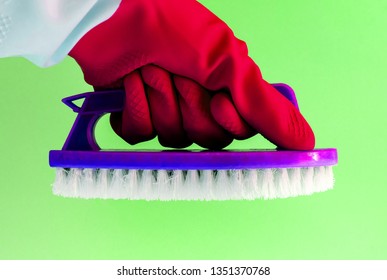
(96, 104)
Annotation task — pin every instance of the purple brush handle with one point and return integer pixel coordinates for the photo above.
(81, 150)
(96, 104)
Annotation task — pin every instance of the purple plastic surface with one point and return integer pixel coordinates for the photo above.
(81, 150)
(186, 160)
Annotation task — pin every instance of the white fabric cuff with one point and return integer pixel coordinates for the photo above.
(44, 31)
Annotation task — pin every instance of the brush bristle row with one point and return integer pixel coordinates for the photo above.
(248, 184)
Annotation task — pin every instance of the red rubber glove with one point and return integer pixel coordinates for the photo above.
(178, 112)
(186, 39)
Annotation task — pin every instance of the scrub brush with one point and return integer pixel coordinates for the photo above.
(83, 170)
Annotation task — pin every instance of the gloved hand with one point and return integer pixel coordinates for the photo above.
(186, 39)
(176, 109)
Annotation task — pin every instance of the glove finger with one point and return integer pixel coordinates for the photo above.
(164, 107)
(225, 114)
(134, 123)
(274, 116)
(198, 122)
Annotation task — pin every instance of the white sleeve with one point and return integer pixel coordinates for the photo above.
(44, 31)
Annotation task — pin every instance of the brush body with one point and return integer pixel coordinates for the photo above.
(84, 171)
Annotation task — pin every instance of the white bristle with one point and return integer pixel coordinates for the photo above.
(250, 184)
(192, 184)
(102, 183)
(131, 181)
(192, 179)
(295, 181)
(308, 180)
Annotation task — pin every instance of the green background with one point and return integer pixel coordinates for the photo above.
(334, 55)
